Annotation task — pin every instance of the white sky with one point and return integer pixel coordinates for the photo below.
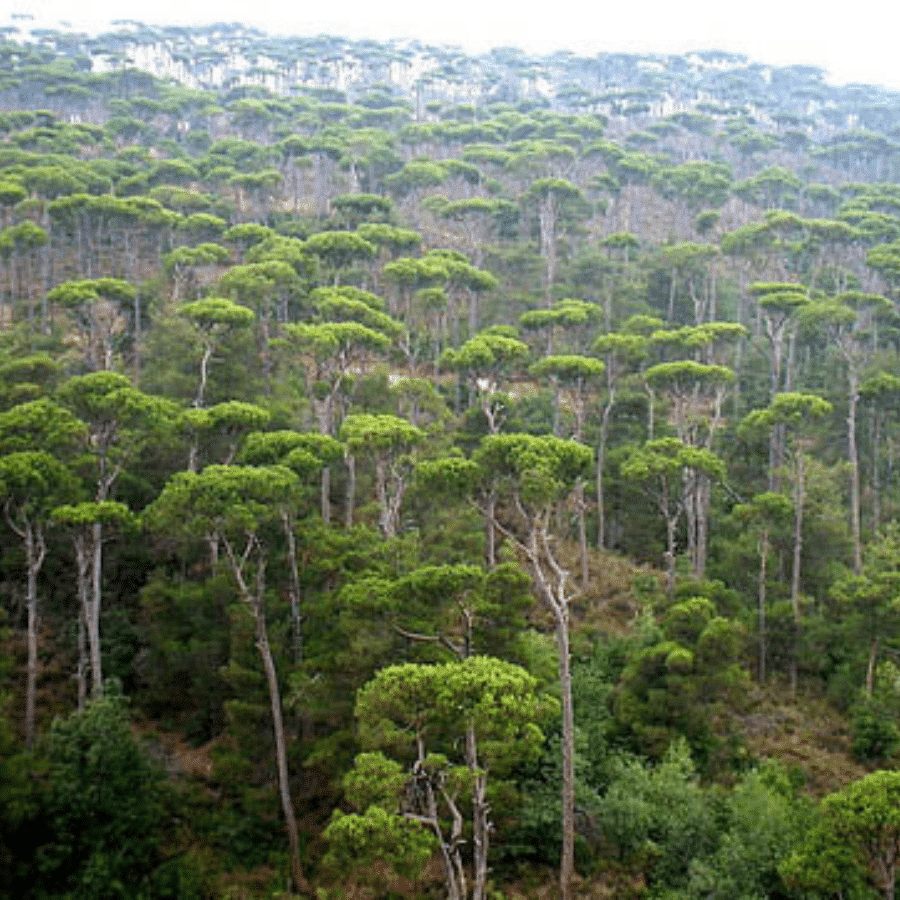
(854, 42)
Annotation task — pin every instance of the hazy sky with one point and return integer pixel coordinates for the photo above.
(852, 41)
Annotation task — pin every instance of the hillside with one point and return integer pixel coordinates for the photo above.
(443, 475)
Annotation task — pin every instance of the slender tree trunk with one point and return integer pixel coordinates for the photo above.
(326, 495)
(673, 280)
(350, 512)
(455, 875)
(762, 602)
(204, 376)
(853, 459)
(294, 589)
(83, 563)
(580, 505)
(138, 337)
(255, 600)
(601, 463)
(93, 612)
(567, 855)
(791, 367)
(491, 532)
(876, 472)
(703, 491)
(551, 580)
(670, 556)
(287, 808)
(547, 219)
(799, 500)
(481, 825)
(870, 666)
(35, 551)
(385, 520)
(84, 662)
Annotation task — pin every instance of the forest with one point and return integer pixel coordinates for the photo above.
(444, 476)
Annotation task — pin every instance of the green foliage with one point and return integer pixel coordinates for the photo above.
(184, 636)
(856, 838)
(497, 699)
(657, 819)
(876, 736)
(102, 806)
(233, 500)
(361, 842)
(538, 469)
(516, 202)
(762, 822)
(683, 684)
(21, 804)
(41, 424)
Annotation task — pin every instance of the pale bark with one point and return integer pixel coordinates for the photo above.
(481, 825)
(799, 500)
(204, 375)
(870, 666)
(35, 552)
(294, 588)
(853, 459)
(456, 877)
(287, 807)
(567, 854)
(255, 599)
(601, 463)
(551, 581)
(763, 602)
(547, 219)
(92, 613)
(350, 511)
(83, 564)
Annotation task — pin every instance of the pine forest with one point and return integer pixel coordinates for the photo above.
(431, 475)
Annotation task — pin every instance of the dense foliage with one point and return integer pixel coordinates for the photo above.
(468, 468)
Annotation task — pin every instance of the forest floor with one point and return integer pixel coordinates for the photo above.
(806, 732)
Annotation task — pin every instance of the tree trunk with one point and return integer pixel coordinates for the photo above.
(453, 871)
(84, 663)
(799, 499)
(481, 825)
(294, 589)
(385, 520)
(853, 459)
(350, 511)
(204, 375)
(703, 491)
(567, 855)
(35, 550)
(870, 666)
(601, 462)
(491, 532)
(326, 495)
(670, 557)
(547, 219)
(876, 474)
(762, 601)
(83, 563)
(287, 808)
(580, 506)
(92, 613)
(551, 581)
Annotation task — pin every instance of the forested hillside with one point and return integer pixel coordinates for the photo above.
(427, 475)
